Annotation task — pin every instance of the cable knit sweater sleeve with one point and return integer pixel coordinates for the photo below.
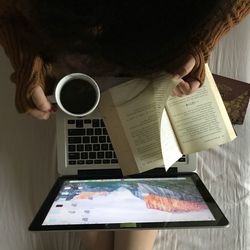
(228, 14)
(28, 67)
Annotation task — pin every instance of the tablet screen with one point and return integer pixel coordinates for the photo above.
(144, 201)
(128, 201)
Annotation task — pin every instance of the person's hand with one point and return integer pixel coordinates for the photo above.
(187, 85)
(43, 108)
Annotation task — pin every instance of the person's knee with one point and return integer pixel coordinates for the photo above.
(135, 240)
(98, 240)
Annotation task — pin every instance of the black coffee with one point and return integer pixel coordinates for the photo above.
(78, 96)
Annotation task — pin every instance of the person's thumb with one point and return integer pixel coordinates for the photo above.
(40, 100)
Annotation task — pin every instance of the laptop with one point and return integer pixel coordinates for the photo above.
(84, 144)
(92, 194)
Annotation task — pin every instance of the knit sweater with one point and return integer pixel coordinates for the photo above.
(30, 69)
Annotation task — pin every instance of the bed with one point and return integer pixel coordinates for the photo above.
(28, 169)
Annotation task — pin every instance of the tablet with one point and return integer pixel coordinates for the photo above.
(137, 202)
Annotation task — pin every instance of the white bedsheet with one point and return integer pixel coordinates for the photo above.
(28, 169)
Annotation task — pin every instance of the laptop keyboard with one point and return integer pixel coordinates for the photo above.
(89, 143)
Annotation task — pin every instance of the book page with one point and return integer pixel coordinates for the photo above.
(139, 104)
(169, 144)
(200, 120)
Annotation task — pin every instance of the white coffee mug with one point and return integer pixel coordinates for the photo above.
(77, 94)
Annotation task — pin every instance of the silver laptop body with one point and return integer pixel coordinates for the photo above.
(84, 144)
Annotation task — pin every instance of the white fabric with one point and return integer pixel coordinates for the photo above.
(28, 169)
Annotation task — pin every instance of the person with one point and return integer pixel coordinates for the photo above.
(139, 38)
(47, 39)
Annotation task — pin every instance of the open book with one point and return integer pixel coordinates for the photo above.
(149, 128)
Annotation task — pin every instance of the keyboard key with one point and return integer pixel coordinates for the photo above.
(72, 162)
(88, 147)
(85, 139)
(80, 147)
(105, 161)
(96, 147)
(182, 159)
(71, 148)
(109, 155)
(92, 155)
(75, 140)
(87, 121)
(76, 131)
(73, 156)
(90, 131)
(102, 124)
(84, 155)
(100, 155)
(104, 131)
(98, 131)
(94, 139)
(111, 147)
(108, 139)
(96, 123)
(80, 162)
(89, 161)
(79, 123)
(104, 147)
(114, 161)
(98, 161)
(102, 139)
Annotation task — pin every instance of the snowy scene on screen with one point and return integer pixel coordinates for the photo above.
(128, 201)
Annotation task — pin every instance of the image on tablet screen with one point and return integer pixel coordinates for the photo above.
(128, 201)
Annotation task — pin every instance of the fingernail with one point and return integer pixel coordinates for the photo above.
(52, 109)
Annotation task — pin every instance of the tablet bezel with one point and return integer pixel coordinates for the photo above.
(220, 219)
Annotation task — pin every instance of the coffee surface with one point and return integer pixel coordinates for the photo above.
(78, 96)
